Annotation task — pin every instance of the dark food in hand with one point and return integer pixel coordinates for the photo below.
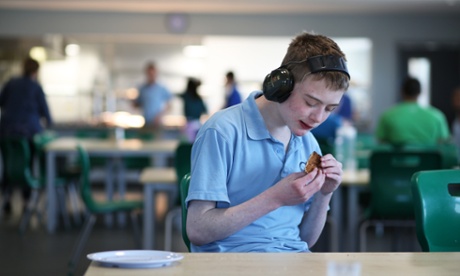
(314, 161)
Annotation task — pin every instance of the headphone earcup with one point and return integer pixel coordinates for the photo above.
(278, 85)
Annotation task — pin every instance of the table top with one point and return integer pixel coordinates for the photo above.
(299, 264)
(359, 177)
(158, 175)
(98, 145)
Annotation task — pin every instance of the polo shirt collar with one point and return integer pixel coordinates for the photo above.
(255, 124)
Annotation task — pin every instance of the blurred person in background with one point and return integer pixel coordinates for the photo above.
(326, 132)
(24, 113)
(232, 95)
(409, 123)
(194, 108)
(154, 98)
(345, 109)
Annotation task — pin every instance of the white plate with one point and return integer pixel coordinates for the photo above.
(135, 258)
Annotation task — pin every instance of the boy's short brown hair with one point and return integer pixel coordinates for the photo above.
(308, 45)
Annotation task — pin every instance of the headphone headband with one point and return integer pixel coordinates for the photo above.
(327, 63)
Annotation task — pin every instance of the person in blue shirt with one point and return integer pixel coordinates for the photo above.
(248, 189)
(345, 109)
(327, 131)
(23, 109)
(232, 95)
(154, 98)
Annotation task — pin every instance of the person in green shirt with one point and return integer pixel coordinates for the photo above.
(409, 123)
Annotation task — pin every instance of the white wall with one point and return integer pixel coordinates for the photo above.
(385, 32)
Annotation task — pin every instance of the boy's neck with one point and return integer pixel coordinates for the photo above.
(275, 125)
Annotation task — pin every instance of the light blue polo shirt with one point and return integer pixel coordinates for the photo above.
(152, 98)
(234, 158)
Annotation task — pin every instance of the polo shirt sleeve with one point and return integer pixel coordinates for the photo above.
(211, 160)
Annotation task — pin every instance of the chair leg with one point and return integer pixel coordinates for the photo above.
(136, 230)
(74, 202)
(334, 234)
(6, 197)
(169, 220)
(363, 235)
(29, 210)
(62, 206)
(81, 242)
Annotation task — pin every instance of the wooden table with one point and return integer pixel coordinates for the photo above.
(154, 180)
(266, 264)
(158, 149)
(353, 181)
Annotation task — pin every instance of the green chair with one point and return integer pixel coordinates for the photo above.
(184, 185)
(134, 162)
(448, 152)
(94, 133)
(365, 143)
(390, 188)
(182, 165)
(326, 145)
(17, 159)
(437, 209)
(143, 134)
(67, 175)
(95, 208)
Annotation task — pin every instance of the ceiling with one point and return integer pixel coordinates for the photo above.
(239, 6)
(13, 47)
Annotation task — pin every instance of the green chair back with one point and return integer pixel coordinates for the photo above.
(448, 152)
(390, 181)
(17, 161)
(182, 161)
(65, 171)
(437, 209)
(326, 145)
(91, 204)
(143, 134)
(40, 141)
(98, 133)
(184, 185)
(85, 184)
(365, 140)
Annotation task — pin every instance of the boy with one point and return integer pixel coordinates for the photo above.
(248, 189)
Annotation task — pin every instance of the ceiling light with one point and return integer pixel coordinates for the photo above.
(72, 50)
(38, 53)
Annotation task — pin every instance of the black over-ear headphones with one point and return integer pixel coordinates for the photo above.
(279, 83)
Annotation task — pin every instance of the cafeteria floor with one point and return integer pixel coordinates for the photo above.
(40, 253)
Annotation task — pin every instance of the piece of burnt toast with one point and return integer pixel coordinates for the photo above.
(314, 161)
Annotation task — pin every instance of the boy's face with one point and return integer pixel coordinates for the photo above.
(309, 104)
